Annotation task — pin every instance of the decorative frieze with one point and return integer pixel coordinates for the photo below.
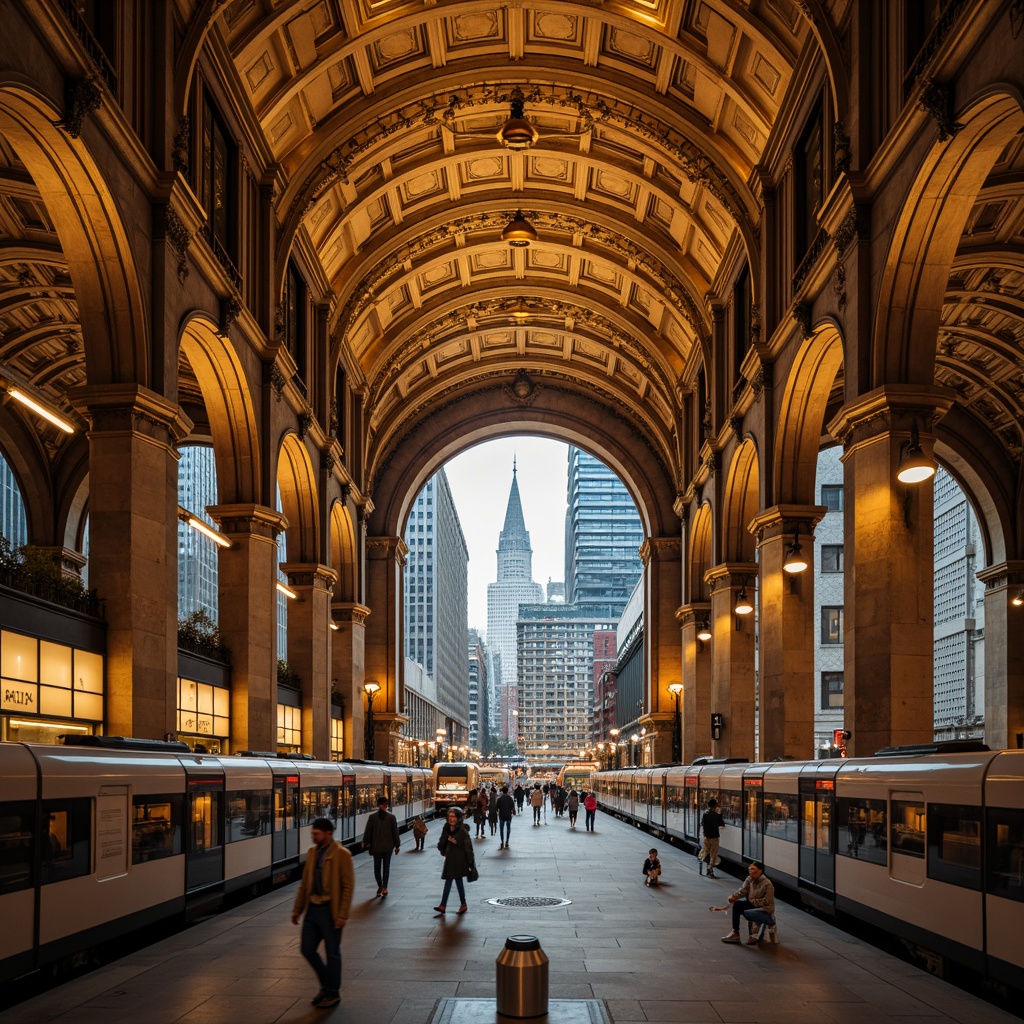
(937, 100)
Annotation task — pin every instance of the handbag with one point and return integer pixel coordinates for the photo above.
(472, 874)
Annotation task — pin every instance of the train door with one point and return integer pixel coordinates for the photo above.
(817, 839)
(691, 811)
(753, 818)
(204, 846)
(286, 818)
(346, 823)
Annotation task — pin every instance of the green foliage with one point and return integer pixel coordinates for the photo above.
(495, 746)
(36, 572)
(286, 677)
(198, 634)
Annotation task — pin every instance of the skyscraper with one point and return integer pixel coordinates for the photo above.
(478, 693)
(197, 555)
(12, 508)
(603, 535)
(436, 603)
(514, 586)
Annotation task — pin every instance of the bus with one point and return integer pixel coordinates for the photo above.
(452, 782)
(495, 775)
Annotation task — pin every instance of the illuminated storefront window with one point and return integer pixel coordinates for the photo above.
(48, 689)
(204, 715)
(337, 739)
(289, 729)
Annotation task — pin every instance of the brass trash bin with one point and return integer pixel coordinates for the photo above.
(522, 969)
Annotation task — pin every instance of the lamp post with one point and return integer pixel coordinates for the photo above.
(371, 689)
(614, 733)
(676, 690)
(515, 728)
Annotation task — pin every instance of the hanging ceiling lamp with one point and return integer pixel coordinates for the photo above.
(519, 232)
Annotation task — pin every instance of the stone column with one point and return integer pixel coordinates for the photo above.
(67, 560)
(247, 618)
(133, 549)
(663, 575)
(888, 689)
(1004, 655)
(385, 560)
(696, 682)
(348, 666)
(733, 679)
(786, 628)
(309, 645)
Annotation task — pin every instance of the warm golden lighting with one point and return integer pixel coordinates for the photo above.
(287, 591)
(703, 632)
(517, 133)
(743, 603)
(1018, 599)
(334, 625)
(795, 561)
(371, 687)
(41, 410)
(205, 529)
(916, 468)
(519, 232)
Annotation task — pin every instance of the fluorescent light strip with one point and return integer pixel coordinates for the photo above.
(47, 414)
(287, 591)
(206, 530)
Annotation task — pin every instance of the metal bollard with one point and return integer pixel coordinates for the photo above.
(522, 969)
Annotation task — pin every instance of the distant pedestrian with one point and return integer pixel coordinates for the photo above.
(492, 811)
(456, 846)
(590, 806)
(506, 808)
(520, 795)
(324, 897)
(536, 802)
(652, 868)
(480, 814)
(572, 803)
(380, 838)
(558, 802)
(419, 831)
(711, 823)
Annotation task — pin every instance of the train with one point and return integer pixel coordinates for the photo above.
(99, 840)
(452, 782)
(577, 774)
(926, 843)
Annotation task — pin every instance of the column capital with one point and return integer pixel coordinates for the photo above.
(309, 574)
(731, 574)
(782, 521)
(691, 614)
(1006, 574)
(890, 409)
(247, 518)
(130, 408)
(661, 549)
(394, 548)
(345, 611)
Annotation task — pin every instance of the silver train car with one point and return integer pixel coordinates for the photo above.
(97, 841)
(925, 843)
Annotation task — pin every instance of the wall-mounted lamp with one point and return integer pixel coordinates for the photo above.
(334, 625)
(703, 631)
(676, 689)
(915, 466)
(519, 232)
(795, 560)
(371, 689)
(744, 606)
(19, 395)
(283, 588)
(1018, 599)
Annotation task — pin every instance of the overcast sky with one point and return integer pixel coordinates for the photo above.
(480, 480)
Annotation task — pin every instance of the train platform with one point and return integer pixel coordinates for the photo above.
(638, 954)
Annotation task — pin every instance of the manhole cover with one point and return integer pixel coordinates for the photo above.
(531, 902)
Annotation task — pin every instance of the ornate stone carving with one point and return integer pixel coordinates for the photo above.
(180, 239)
(522, 390)
(802, 314)
(937, 100)
(707, 424)
(846, 233)
(841, 153)
(81, 98)
(279, 323)
(327, 459)
(755, 324)
(230, 308)
(305, 422)
(277, 380)
(839, 286)
(757, 383)
(179, 154)
(736, 425)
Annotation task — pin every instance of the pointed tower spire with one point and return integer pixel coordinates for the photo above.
(515, 556)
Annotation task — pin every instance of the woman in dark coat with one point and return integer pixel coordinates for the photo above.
(456, 846)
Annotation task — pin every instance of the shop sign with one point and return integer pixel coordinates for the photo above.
(20, 697)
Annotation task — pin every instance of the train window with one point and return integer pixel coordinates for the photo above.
(366, 798)
(317, 803)
(782, 816)
(156, 827)
(417, 789)
(954, 844)
(862, 831)
(205, 834)
(66, 853)
(248, 814)
(17, 845)
(1004, 853)
(907, 827)
(730, 806)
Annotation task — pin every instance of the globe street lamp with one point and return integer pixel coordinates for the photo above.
(371, 689)
(614, 733)
(441, 734)
(676, 690)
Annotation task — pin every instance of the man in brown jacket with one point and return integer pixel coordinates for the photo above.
(325, 895)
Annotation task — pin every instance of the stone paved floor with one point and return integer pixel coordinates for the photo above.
(652, 955)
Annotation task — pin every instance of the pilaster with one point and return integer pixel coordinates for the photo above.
(348, 666)
(786, 614)
(1004, 655)
(663, 581)
(696, 682)
(133, 549)
(247, 618)
(733, 681)
(309, 650)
